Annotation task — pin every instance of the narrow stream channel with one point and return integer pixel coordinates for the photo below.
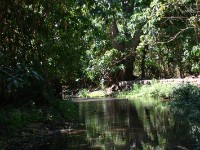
(125, 125)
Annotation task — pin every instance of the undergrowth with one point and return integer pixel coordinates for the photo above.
(185, 103)
(15, 121)
(86, 94)
(154, 90)
(186, 100)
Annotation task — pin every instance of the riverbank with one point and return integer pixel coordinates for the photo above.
(25, 127)
(156, 90)
(35, 125)
(37, 135)
(191, 80)
(183, 99)
(140, 88)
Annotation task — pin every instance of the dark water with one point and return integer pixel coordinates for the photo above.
(126, 125)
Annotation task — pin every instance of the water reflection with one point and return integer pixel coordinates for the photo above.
(125, 125)
(111, 124)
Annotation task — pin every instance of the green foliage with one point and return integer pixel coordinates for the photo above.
(186, 99)
(154, 90)
(100, 66)
(18, 76)
(19, 83)
(99, 93)
(16, 120)
(169, 40)
(83, 42)
(68, 109)
(194, 56)
(42, 36)
(83, 93)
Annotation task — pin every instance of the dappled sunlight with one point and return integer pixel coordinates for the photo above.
(125, 124)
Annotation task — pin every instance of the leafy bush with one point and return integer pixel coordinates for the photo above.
(16, 118)
(83, 93)
(17, 76)
(68, 109)
(101, 66)
(186, 99)
(19, 81)
(13, 121)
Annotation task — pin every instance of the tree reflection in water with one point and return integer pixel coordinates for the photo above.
(121, 124)
(125, 125)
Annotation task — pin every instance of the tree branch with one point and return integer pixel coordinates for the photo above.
(176, 35)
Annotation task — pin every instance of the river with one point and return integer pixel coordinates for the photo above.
(127, 124)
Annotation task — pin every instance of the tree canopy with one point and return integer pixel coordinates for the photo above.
(81, 42)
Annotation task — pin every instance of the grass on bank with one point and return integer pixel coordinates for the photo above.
(155, 90)
(86, 94)
(184, 99)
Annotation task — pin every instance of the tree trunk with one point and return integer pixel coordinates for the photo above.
(114, 32)
(128, 62)
(144, 51)
(130, 49)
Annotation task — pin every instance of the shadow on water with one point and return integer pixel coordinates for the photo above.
(125, 125)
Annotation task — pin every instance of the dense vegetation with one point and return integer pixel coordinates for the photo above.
(45, 45)
(155, 90)
(79, 43)
(186, 101)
